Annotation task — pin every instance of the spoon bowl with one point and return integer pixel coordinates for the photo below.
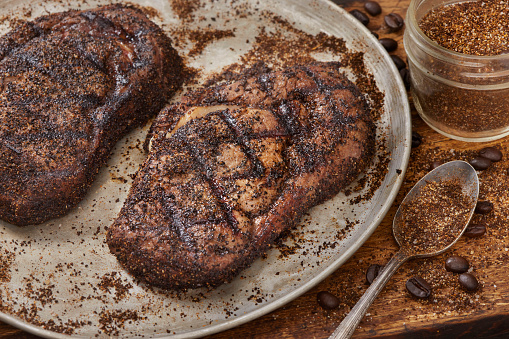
(463, 183)
(430, 219)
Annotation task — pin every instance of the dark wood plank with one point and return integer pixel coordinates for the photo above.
(7, 331)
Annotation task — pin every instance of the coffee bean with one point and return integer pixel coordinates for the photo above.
(418, 287)
(491, 153)
(456, 264)
(373, 272)
(475, 230)
(483, 207)
(373, 8)
(405, 75)
(468, 281)
(363, 18)
(394, 21)
(436, 164)
(416, 139)
(375, 34)
(389, 44)
(327, 300)
(480, 163)
(400, 64)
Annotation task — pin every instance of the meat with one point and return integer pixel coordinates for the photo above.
(71, 85)
(232, 166)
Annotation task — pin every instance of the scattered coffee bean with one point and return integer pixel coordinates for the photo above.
(373, 272)
(480, 163)
(475, 230)
(435, 164)
(456, 264)
(375, 34)
(363, 18)
(327, 300)
(394, 21)
(405, 75)
(483, 207)
(468, 281)
(491, 153)
(400, 64)
(389, 44)
(416, 139)
(373, 8)
(418, 287)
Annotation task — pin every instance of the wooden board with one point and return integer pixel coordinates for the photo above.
(450, 312)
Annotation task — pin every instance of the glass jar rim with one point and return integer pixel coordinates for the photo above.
(445, 53)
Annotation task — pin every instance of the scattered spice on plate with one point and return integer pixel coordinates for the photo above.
(113, 281)
(6, 259)
(203, 38)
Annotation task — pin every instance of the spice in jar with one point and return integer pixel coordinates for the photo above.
(474, 27)
(459, 61)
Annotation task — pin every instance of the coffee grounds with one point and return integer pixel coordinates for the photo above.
(111, 321)
(203, 38)
(185, 9)
(6, 259)
(472, 28)
(475, 28)
(434, 217)
(113, 281)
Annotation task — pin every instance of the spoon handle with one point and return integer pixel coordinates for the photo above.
(354, 317)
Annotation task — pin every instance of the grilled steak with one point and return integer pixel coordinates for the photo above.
(240, 164)
(71, 85)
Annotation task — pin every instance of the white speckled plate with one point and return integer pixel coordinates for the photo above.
(63, 271)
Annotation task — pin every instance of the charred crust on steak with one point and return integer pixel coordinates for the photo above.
(72, 84)
(217, 190)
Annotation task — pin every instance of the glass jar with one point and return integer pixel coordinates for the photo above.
(462, 96)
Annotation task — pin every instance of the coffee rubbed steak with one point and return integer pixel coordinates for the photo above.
(233, 166)
(71, 85)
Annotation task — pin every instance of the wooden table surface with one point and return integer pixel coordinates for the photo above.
(450, 312)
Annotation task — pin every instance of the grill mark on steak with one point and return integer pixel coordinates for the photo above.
(309, 128)
(258, 168)
(71, 85)
(205, 173)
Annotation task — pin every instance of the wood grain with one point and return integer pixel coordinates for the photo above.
(450, 312)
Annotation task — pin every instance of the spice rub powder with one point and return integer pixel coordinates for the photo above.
(474, 27)
(434, 218)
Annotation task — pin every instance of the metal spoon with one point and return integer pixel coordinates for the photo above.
(466, 177)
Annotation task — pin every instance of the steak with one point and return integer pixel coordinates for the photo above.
(71, 85)
(233, 166)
